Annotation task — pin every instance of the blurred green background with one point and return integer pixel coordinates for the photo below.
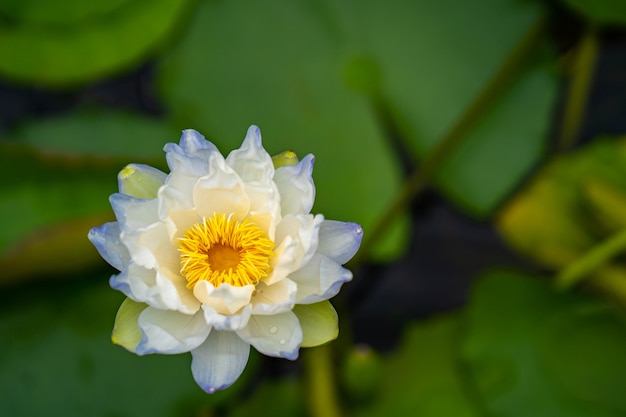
(480, 144)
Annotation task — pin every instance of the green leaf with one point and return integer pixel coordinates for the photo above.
(534, 351)
(435, 61)
(608, 12)
(67, 42)
(55, 179)
(57, 359)
(573, 203)
(422, 376)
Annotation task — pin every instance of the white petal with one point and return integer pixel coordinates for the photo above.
(222, 191)
(219, 361)
(155, 288)
(192, 142)
(304, 228)
(178, 222)
(339, 240)
(140, 181)
(275, 298)
(296, 187)
(151, 247)
(191, 158)
(319, 280)
(251, 161)
(279, 335)
(133, 213)
(225, 299)
(284, 260)
(176, 194)
(224, 321)
(171, 332)
(106, 239)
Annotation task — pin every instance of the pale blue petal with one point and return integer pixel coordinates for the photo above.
(339, 240)
(251, 161)
(106, 239)
(192, 156)
(296, 187)
(195, 144)
(219, 361)
(279, 335)
(133, 213)
(170, 332)
(319, 280)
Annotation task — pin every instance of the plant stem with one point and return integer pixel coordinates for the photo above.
(592, 260)
(323, 401)
(578, 92)
(417, 182)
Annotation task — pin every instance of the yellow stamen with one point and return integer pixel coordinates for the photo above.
(221, 250)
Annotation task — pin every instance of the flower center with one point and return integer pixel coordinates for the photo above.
(221, 250)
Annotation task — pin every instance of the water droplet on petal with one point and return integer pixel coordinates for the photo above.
(273, 330)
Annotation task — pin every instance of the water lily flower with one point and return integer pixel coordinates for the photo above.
(222, 254)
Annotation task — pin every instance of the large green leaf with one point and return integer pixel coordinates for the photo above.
(608, 12)
(534, 351)
(57, 359)
(69, 41)
(435, 59)
(422, 377)
(56, 176)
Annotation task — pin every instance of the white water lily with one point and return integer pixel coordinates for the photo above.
(223, 254)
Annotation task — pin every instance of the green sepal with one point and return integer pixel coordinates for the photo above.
(126, 331)
(319, 323)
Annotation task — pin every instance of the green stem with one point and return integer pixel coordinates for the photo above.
(322, 390)
(417, 182)
(578, 92)
(592, 260)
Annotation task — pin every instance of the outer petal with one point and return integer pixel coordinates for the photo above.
(251, 161)
(106, 239)
(151, 247)
(339, 240)
(319, 323)
(133, 213)
(296, 187)
(126, 331)
(152, 287)
(226, 322)
(272, 299)
(171, 332)
(222, 191)
(225, 299)
(319, 280)
(192, 142)
(191, 158)
(219, 361)
(279, 335)
(140, 181)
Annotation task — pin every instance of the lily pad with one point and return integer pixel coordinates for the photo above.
(67, 42)
(59, 360)
(608, 12)
(57, 175)
(422, 377)
(534, 351)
